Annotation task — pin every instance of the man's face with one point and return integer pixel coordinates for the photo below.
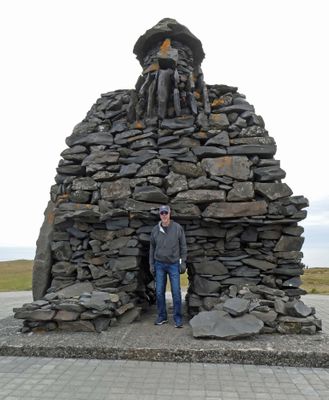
(165, 217)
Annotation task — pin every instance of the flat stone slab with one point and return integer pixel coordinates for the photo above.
(218, 324)
(142, 340)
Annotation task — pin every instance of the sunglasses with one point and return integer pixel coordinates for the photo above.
(164, 213)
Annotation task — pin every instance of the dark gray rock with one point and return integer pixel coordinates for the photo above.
(119, 189)
(200, 196)
(43, 259)
(263, 265)
(178, 123)
(266, 174)
(80, 196)
(101, 157)
(280, 306)
(84, 184)
(288, 270)
(266, 150)
(175, 183)
(289, 243)
(61, 251)
(70, 305)
(63, 268)
(261, 140)
(153, 168)
(124, 263)
(245, 271)
(188, 169)
(64, 315)
(140, 157)
(241, 191)
(237, 167)
(292, 282)
(241, 281)
(273, 191)
(236, 306)
(237, 108)
(218, 121)
(208, 151)
(262, 289)
(75, 290)
(220, 139)
(241, 209)
(266, 317)
(76, 326)
(202, 183)
(218, 325)
(36, 315)
(129, 136)
(269, 235)
(293, 230)
(203, 286)
(297, 308)
(139, 206)
(71, 169)
(150, 193)
(101, 324)
(129, 170)
(87, 139)
(104, 176)
(144, 144)
(130, 316)
(208, 267)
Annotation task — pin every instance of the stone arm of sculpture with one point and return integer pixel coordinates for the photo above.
(182, 251)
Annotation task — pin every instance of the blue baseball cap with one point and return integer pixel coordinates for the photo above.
(164, 208)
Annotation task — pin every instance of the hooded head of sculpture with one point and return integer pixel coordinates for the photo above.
(166, 34)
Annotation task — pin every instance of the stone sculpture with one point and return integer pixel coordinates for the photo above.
(203, 149)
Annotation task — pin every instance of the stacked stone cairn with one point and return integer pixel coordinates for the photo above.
(203, 150)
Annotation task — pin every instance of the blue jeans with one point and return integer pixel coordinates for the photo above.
(161, 271)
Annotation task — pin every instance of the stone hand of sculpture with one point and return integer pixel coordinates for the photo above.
(182, 267)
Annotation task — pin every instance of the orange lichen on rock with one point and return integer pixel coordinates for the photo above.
(50, 218)
(217, 102)
(201, 134)
(62, 198)
(197, 95)
(139, 125)
(165, 47)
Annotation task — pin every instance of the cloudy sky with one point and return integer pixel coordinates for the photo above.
(57, 57)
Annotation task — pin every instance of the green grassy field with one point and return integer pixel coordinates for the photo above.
(17, 275)
(316, 280)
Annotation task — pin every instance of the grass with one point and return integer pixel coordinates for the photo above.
(17, 275)
(316, 280)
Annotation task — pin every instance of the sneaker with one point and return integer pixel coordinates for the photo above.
(160, 321)
(179, 325)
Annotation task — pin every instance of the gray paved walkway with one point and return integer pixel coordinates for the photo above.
(49, 378)
(9, 300)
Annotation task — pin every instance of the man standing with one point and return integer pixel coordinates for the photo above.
(168, 256)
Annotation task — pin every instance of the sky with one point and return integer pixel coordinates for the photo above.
(57, 57)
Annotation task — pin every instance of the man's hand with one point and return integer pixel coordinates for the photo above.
(182, 267)
(152, 269)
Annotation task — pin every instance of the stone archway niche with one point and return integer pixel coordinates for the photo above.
(203, 150)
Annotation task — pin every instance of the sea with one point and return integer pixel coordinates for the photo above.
(17, 253)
